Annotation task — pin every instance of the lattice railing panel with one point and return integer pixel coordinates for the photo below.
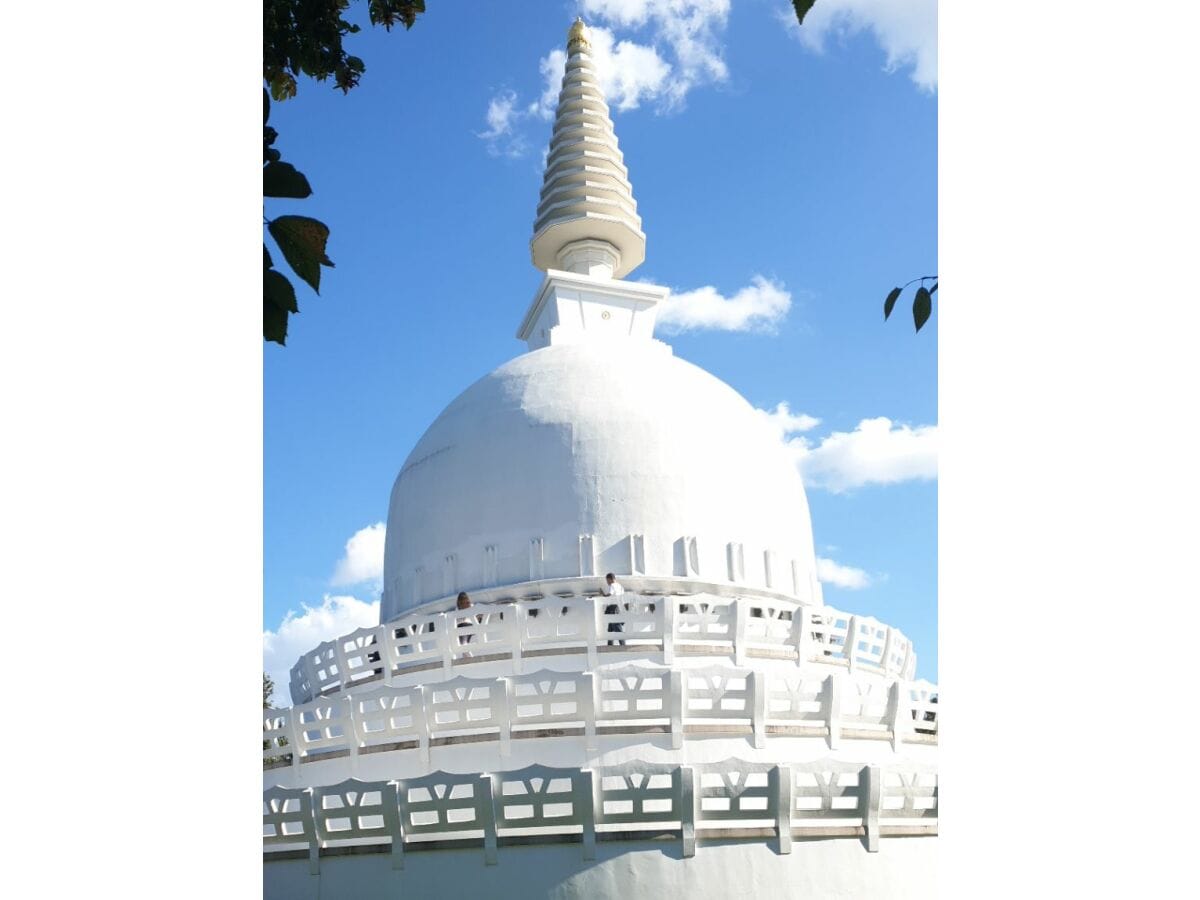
(278, 740)
(711, 620)
(796, 700)
(551, 698)
(910, 793)
(734, 792)
(734, 797)
(718, 693)
(629, 693)
(323, 726)
(706, 624)
(358, 811)
(390, 715)
(541, 798)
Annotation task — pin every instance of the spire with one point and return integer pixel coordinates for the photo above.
(587, 219)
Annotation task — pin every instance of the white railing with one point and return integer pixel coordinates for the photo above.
(701, 624)
(728, 799)
(629, 699)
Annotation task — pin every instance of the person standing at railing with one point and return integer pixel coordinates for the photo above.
(612, 588)
(464, 602)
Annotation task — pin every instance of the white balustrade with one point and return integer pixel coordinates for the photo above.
(324, 727)
(354, 813)
(623, 699)
(732, 799)
(740, 627)
(544, 800)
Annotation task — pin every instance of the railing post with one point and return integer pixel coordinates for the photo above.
(675, 705)
(593, 633)
(388, 655)
(872, 792)
(310, 672)
(517, 635)
(669, 607)
(803, 635)
(742, 612)
(758, 707)
(448, 640)
(509, 707)
(391, 796)
(488, 784)
(783, 809)
(423, 745)
(585, 797)
(833, 709)
(293, 738)
(587, 706)
(898, 712)
(353, 733)
(314, 844)
(687, 810)
(851, 640)
(887, 652)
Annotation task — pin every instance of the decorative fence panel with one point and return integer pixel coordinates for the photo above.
(701, 624)
(468, 706)
(710, 622)
(636, 695)
(552, 699)
(390, 717)
(733, 798)
(356, 812)
(324, 726)
(415, 642)
(360, 657)
(713, 700)
(771, 628)
(869, 641)
(797, 702)
(279, 740)
(544, 800)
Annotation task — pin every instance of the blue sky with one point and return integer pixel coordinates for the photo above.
(793, 172)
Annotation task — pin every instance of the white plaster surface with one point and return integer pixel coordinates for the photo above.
(608, 438)
(819, 869)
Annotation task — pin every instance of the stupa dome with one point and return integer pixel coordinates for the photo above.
(582, 458)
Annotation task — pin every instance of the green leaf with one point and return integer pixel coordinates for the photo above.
(302, 241)
(281, 179)
(933, 290)
(279, 291)
(802, 7)
(283, 86)
(266, 106)
(890, 302)
(274, 323)
(268, 263)
(922, 307)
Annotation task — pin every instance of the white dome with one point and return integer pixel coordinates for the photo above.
(668, 471)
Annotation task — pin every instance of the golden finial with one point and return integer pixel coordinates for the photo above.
(577, 36)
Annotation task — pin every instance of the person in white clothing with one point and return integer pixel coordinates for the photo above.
(612, 588)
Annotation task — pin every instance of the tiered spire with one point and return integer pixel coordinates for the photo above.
(587, 219)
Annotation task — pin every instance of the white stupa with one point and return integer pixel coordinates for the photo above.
(715, 729)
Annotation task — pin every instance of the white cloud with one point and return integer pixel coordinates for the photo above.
(679, 50)
(363, 558)
(877, 451)
(830, 572)
(299, 633)
(785, 422)
(502, 116)
(686, 33)
(760, 307)
(905, 29)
